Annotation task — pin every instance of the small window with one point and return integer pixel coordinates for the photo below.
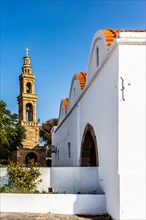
(74, 92)
(97, 56)
(58, 155)
(69, 153)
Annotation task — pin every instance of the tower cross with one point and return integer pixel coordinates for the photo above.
(27, 49)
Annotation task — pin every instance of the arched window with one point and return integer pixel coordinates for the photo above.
(28, 87)
(29, 112)
(97, 56)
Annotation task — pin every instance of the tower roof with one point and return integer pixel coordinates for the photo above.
(26, 64)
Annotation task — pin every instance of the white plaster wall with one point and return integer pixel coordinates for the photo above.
(132, 131)
(132, 110)
(132, 197)
(99, 107)
(101, 104)
(67, 133)
(83, 180)
(62, 112)
(45, 177)
(98, 41)
(59, 203)
(119, 125)
(75, 92)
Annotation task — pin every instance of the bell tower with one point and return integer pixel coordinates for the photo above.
(27, 104)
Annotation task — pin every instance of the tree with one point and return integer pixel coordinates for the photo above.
(45, 132)
(11, 133)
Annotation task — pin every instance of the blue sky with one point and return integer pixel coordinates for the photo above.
(59, 35)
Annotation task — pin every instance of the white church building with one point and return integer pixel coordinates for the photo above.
(102, 122)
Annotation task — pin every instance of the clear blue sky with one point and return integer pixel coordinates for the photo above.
(59, 35)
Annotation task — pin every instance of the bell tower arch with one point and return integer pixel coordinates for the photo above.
(27, 104)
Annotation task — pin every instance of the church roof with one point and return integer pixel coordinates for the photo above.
(110, 34)
(82, 79)
(65, 102)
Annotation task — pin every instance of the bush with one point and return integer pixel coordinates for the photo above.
(3, 189)
(22, 179)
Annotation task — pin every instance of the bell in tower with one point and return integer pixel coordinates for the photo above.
(27, 101)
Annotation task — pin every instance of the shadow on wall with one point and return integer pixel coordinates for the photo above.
(97, 217)
(75, 180)
(90, 204)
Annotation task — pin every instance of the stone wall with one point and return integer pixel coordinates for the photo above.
(38, 152)
(32, 135)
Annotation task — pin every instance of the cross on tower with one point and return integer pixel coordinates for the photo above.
(27, 49)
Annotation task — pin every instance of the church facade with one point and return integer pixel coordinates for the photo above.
(27, 117)
(102, 122)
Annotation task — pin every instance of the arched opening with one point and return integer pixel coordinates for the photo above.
(89, 150)
(28, 87)
(29, 112)
(31, 157)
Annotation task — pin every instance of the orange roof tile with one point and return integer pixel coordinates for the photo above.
(82, 79)
(111, 34)
(65, 102)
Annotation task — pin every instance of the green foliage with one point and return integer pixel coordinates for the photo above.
(45, 132)
(22, 179)
(3, 189)
(11, 133)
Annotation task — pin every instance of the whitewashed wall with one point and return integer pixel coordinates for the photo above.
(67, 134)
(98, 41)
(132, 112)
(75, 91)
(99, 107)
(119, 125)
(102, 113)
(58, 203)
(75, 180)
(62, 112)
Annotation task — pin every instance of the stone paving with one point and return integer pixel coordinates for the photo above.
(48, 216)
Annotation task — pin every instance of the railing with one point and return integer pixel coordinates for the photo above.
(30, 123)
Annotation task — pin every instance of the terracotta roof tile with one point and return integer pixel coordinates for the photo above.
(111, 34)
(82, 79)
(65, 102)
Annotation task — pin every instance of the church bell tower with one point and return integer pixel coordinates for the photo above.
(27, 104)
